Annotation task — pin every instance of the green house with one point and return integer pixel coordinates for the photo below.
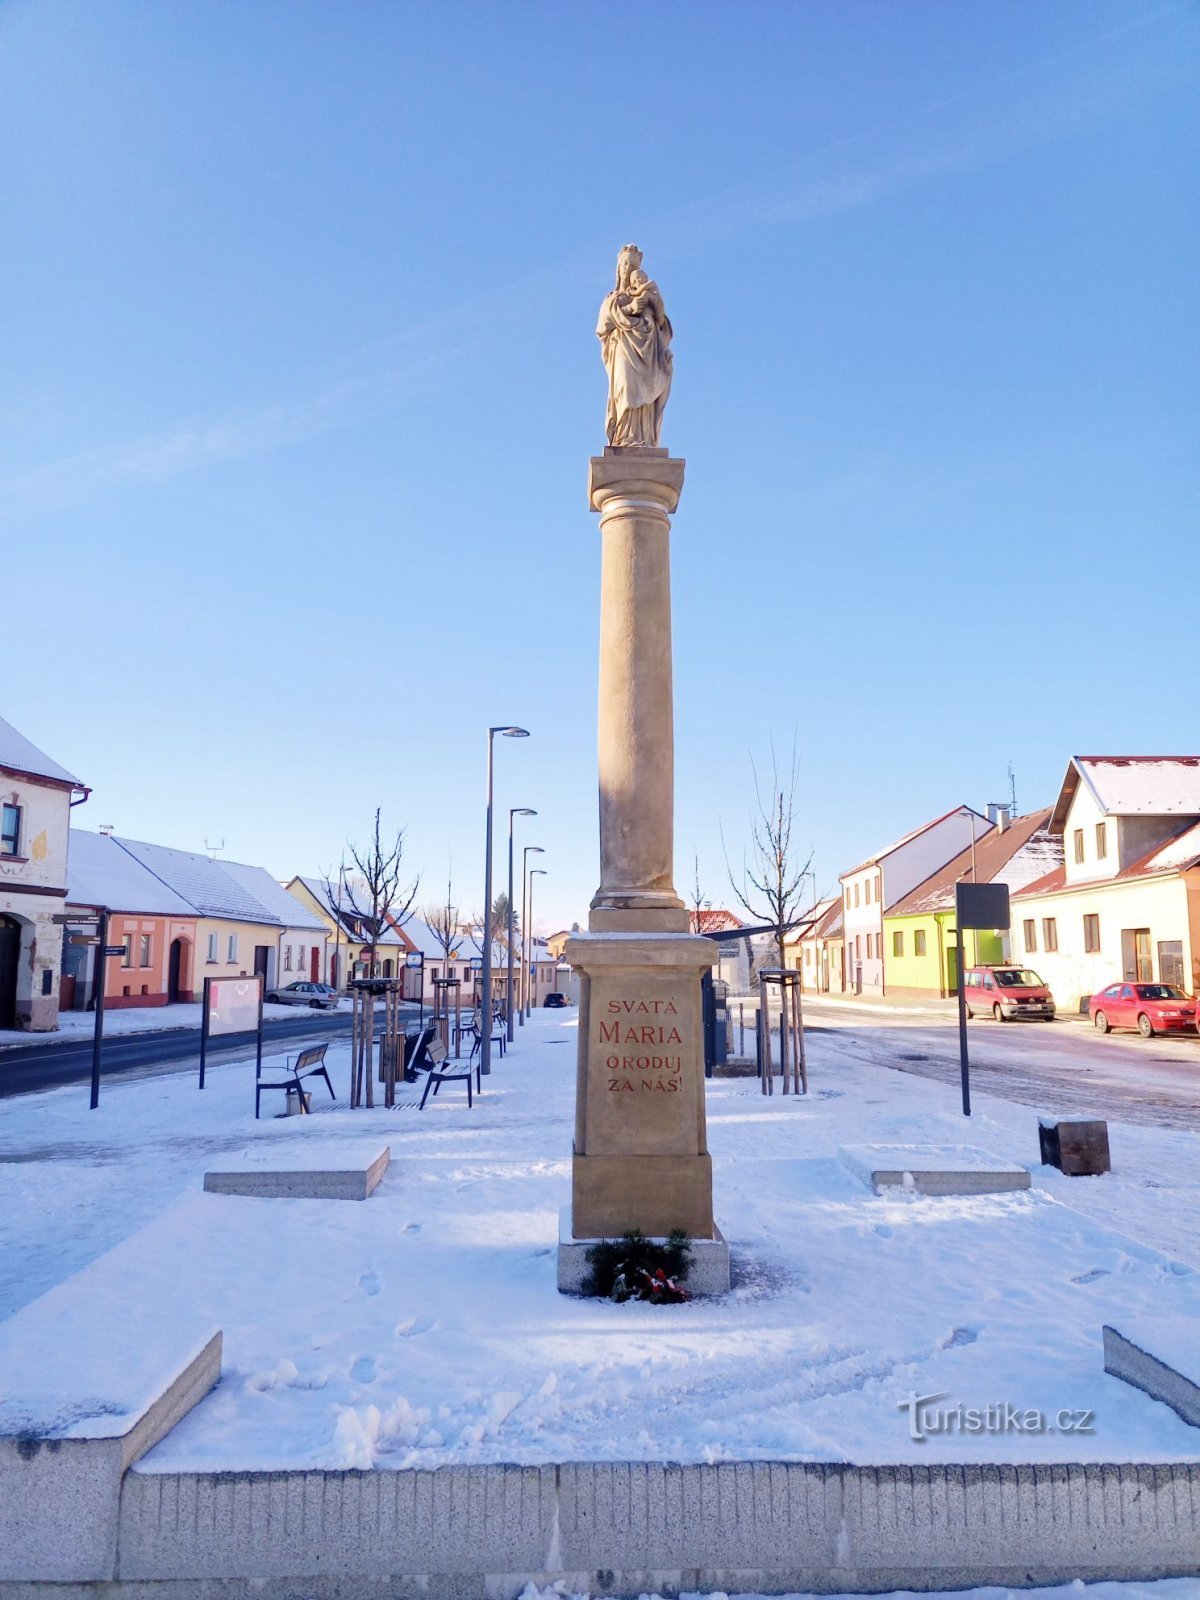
(920, 931)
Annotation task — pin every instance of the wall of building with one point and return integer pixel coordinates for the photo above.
(33, 892)
(248, 935)
(1163, 905)
(127, 982)
(863, 923)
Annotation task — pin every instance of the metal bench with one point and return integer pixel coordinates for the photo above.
(433, 1062)
(309, 1063)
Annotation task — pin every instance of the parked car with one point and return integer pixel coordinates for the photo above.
(555, 1001)
(1008, 993)
(1149, 1007)
(304, 994)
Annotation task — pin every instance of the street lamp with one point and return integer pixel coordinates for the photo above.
(530, 850)
(535, 872)
(485, 1037)
(514, 811)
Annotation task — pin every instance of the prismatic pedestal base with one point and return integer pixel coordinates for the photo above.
(640, 1157)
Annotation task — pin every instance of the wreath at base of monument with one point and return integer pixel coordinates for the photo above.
(636, 1268)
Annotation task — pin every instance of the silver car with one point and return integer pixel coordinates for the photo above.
(303, 994)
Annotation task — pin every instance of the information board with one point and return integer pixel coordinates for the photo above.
(234, 1005)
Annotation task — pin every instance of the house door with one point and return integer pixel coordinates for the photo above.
(174, 962)
(334, 972)
(314, 964)
(951, 970)
(261, 954)
(1143, 956)
(10, 956)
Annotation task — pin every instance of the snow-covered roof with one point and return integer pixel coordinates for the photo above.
(202, 882)
(340, 903)
(1019, 854)
(1133, 786)
(811, 919)
(915, 833)
(1178, 854)
(100, 873)
(17, 754)
(271, 895)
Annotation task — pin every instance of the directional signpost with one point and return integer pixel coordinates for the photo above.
(98, 919)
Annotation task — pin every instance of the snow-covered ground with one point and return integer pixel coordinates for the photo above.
(1163, 1589)
(423, 1326)
(137, 1019)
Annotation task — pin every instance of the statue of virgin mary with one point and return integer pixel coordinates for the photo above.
(635, 342)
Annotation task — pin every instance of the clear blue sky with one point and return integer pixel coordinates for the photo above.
(299, 385)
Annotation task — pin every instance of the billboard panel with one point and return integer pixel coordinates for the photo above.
(234, 1005)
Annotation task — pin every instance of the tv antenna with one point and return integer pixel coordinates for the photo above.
(214, 850)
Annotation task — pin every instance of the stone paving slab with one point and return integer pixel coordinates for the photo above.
(322, 1174)
(1160, 1357)
(932, 1169)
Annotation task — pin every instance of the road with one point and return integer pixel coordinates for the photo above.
(1058, 1066)
(24, 1069)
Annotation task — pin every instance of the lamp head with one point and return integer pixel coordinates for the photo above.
(511, 733)
(522, 811)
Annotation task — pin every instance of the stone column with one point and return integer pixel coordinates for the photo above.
(635, 491)
(641, 1154)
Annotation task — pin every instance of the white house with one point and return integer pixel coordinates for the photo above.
(36, 796)
(1125, 904)
(886, 877)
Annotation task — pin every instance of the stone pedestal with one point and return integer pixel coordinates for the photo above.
(641, 1157)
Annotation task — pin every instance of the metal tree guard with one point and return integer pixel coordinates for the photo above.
(791, 1030)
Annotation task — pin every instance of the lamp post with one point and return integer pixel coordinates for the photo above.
(535, 872)
(485, 1040)
(530, 850)
(514, 811)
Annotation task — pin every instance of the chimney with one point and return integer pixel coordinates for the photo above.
(999, 815)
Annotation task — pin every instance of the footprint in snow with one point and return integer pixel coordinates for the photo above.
(411, 1227)
(1090, 1277)
(370, 1282)
(959, 1337)
(363, 1370)
(413, 1326)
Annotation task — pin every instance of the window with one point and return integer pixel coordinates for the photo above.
(855, 894)
(1030, 926)
(144, 950)
(232, 948)
(1091, 933)
(1101, 841)
(858, 946)
(212, 947)
(10, 830)
(867, 892)
(847, 897)
(1049, 933)
(1078, 844)
(127, 958)
(918, 941)
(287, 958)
(300, 960)
(897, 944)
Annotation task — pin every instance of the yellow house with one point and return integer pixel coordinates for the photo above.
(920, 931)
(348, 933)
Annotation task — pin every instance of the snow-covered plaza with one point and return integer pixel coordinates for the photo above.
(423, 1327)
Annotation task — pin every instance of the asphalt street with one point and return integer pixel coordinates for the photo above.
(24, 1069)
(1062, 1066)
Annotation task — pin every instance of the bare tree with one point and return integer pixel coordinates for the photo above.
(383, 894)
(443, 922)
(700, 902)
(771, 888)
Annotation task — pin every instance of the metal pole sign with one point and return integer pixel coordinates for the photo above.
(976, 905)
(101, 976)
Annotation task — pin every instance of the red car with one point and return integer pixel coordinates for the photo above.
(1149, 1007)
(1008, 993)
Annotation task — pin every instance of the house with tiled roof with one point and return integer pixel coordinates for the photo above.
(243, 926)
(156, 927)
(920, 930)
(1124, 905)
(886, 877)
(816, 948)
(36, 797)
(353, 941)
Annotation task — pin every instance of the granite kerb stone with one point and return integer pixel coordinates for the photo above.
(650, 1525)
